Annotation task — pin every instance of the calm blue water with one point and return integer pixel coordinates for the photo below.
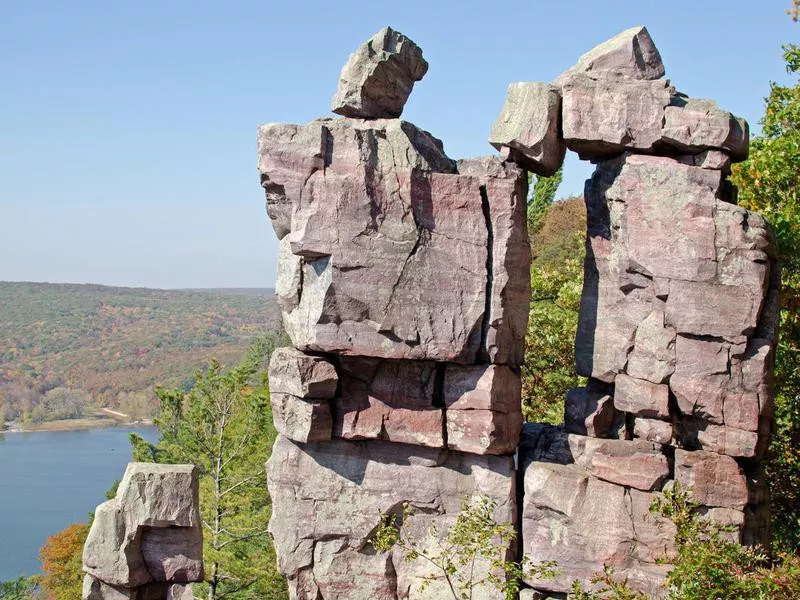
(50, 479)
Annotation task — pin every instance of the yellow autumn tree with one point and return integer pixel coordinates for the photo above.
(61, 558)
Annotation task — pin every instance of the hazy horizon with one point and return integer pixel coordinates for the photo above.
(142, 287)
(129, 128)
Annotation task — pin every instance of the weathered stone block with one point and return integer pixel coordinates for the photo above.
(708, 309)
(528, 125)
(640, 397)
(653, 430)
(388, 399)
(696, 125)
(378, 77)
(302, 420)
(630, 54)
(388, 248)
(631, 463)
(124, 547)
(701, 377)
(699, 434)
(297, 374)
(635, 463)
(506, 190)
(484, 414)
(714, 479)
(591, 413)
(582, 522)
(603, 117)
(653, 355)
(328, 498)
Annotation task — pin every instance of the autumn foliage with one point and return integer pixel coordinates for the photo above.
(61, 563)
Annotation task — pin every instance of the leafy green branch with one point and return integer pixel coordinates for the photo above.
(471, 556)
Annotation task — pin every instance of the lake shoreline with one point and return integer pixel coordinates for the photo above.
(51, 479)
(74, 425)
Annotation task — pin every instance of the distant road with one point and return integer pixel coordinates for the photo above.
(115, 412)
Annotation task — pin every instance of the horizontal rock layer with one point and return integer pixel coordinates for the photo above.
(387, 251)
(472, 408)
(328, 499)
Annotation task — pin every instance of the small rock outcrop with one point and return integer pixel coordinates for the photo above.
(403, 281)
(147, 542)
(379, 76)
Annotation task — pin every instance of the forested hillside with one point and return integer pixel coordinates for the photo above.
(66, 349)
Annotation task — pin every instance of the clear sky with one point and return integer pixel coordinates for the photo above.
(128, 127)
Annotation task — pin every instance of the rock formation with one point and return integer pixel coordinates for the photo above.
(403, 284)
(404, 287)
(147, 542)
(379, 76)
(676, 331)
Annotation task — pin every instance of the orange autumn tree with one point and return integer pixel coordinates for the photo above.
(61, 558)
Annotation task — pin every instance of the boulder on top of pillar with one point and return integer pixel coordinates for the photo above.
(528, 127)
(379, 76)
(631, 54)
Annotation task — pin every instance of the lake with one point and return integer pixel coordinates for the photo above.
(50, 479)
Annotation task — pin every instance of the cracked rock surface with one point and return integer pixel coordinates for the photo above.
(147, 537)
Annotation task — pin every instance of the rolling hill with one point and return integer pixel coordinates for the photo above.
(109, 346)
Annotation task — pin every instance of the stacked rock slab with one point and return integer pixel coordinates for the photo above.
(403, 282)
(147, 542)
(677, 321)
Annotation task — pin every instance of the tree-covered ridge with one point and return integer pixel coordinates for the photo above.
(112, 345)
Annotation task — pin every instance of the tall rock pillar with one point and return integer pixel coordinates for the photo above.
(403, 282)
(677, 323)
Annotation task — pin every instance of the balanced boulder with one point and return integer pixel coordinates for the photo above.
(379, 76)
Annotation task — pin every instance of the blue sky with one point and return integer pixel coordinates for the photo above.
(128, 128)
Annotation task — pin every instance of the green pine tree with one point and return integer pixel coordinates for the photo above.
(223, 424)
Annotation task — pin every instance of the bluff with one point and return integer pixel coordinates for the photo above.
(403, 283)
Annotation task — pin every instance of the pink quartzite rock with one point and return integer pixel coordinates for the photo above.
(328, 499)
(572, 517)
(301, 419)
(709, 159)
(630, 54)
(708, 309)
(714, 479)
(388, 250)
(302, 375)
(388, 399)
(668, 222)
(653, 430)
(697, 434)
(528, 126)
(484, 414)
(694, 125)
(640, 397)
(149, 532)
(675, 281)
(636, 463)
(603, 117)
(591, 413)
(379, 76)
(506, 324)
(701, 377)
(653, 355)
(94, 589)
